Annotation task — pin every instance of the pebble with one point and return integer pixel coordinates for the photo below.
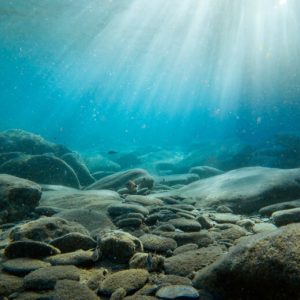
(174, 292)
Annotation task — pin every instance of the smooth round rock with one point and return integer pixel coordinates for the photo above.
(46, 278)
(173, 292)
(73, 241)
(23, 266)
(9, 284)
(120, 246)
(77, 258)
(30, 249)
(156, 243)
(186, 225)
(130, 280)
(70, 289)
(129, 222)
(125, 208)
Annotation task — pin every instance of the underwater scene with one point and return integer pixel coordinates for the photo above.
(149, 149)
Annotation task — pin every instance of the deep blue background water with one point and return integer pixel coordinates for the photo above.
(117, 74)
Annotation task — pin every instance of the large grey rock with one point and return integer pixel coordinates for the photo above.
(77, 164)
(44, 168)
(18, 197)
(45, 229)
(16, 140)
(119, 180)
(74, 199)
(264, 266)
(244, 190)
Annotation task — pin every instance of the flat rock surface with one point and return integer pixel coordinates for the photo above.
(74, 199)
(77, 258)
(244, 190)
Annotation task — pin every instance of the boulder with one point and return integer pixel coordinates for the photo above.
(16, 140)
(243, 190)
(18, 198)
(77, 164)
(263, 266)
(45, 168)
(45, 229)
(28, 248)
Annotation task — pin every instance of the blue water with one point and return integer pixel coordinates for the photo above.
(119, 74)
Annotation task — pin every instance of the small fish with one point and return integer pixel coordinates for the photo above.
(111, 152)
(149, 262)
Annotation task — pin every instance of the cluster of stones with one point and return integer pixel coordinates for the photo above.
(130, 235)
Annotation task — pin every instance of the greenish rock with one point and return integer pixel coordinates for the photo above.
(130, 280)
(129, 222)
(77, 258)
(185, 248)
(174, 179)
(18, 198)
(120, 246)
(156, 243)
(225, 218)
(46, 278)
(45, 168)
(77, 164)
(263, 227)
(270, 209)
(263, 266)
(10, 284)
(205, 171)
(69, 289)
(23, 266)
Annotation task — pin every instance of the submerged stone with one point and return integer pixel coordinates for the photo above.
(173, 292)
